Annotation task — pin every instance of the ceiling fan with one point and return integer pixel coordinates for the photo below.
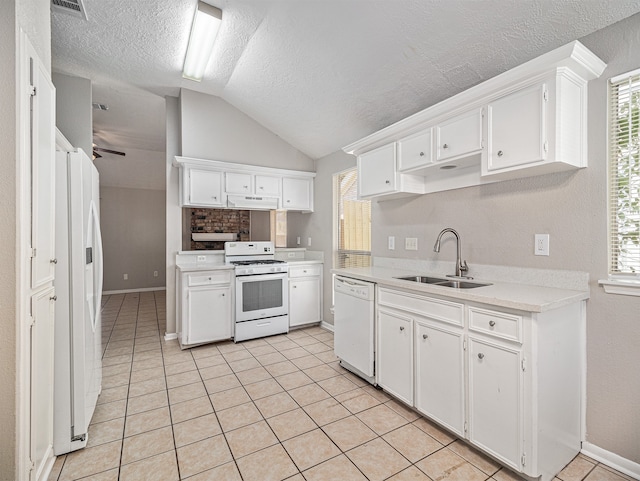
(97, 150)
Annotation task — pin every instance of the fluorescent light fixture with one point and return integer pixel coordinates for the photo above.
(203, 34)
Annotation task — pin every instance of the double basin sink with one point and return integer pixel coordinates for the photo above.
(457, 284)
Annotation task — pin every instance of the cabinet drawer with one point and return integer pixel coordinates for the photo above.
(305, 271)
(446, 311)
(208, 278)
(495, 323)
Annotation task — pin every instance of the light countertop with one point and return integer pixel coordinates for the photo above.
(521, 297)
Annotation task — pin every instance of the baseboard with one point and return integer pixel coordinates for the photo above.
(170, 336)
(327, 326)
(128, 291)
(612, 460)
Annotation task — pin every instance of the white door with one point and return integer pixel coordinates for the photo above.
(377, 171)
(304, 301)
(395, 354)
(209, 314)
(495, 400)
(440, 375)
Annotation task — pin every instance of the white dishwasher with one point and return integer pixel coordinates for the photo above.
(354, 325)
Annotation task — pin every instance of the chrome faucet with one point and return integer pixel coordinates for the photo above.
(460, 265)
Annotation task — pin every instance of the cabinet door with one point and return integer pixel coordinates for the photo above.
(208, 315)
(304, 301)
(495, 400)
(377, 171)
(235, 183)
(459, 136)
(415, 151)
(395, 355)
(440, 375)
(267, 185)
(296, 194)
(516, 129)
(205, 187)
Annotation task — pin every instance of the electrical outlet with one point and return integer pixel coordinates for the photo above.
(291, 254)
(201, 259)
(541, 247)
(392, 243)
(126, 277)
(411, 243)
(155, 273)
(298, 240)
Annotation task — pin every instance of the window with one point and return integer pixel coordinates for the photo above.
(624, 175)
(352, 222)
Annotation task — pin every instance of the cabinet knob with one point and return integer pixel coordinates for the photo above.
(53, 298)
(295, 287)
(500, 153)
(245, 186)
(214, 197)
(53, 261)
(402, 328)
(288, 200)
(480, 356)
(424, 336)
(445, 146)
(261, 187)
(387, 181)
(305, 271)
(421, 154)
(209, 278)
(492, 323)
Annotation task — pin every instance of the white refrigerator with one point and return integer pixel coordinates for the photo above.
(78, 282)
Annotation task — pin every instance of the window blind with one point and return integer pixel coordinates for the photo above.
(353, 223)
(624, 174)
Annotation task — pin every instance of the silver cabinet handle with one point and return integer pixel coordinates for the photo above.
(53, 261)
(480, 356)
(261, 187)
(492, 323)
(402, 328)
(53, 298)
(295, 287)
(424, 336)
(223, 294)
(445, 146)
(245, 186)
(500, 153)
(288, 200)
(421, 154)
(387, 181)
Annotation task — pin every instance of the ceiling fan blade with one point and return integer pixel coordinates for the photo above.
(96, 155)
(109, 151)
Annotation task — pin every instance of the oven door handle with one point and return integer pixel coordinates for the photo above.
(264, 277)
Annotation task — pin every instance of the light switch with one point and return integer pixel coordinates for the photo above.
(392, 242)
(411, 243)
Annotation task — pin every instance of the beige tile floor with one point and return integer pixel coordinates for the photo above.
(267, 409)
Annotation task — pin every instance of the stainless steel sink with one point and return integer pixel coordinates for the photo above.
(436, 281)
(422, 279)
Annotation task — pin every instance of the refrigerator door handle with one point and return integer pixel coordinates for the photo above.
(97, 294)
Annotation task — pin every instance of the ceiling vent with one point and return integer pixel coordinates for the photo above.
(70, 7)
(100, 106)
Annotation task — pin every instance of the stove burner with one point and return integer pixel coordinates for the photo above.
(257, 262)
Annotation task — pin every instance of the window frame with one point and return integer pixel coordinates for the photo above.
(625, 283)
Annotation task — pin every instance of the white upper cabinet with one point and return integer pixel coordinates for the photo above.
(297, 194)
(530, 120)
(202, 188)
(459, 136)
(377, 171)
(415, 151)
(210, 183)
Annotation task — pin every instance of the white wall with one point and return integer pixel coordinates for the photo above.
(213, 129)
(497, 223)
(74, 113)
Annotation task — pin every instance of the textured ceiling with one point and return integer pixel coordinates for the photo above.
(318, 73)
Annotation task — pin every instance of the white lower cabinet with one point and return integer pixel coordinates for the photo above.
(395, 354)
(509, 382)
(305, 294)
(204, 310)
(495, 400)
(440, 374)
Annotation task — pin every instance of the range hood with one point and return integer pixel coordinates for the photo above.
(252, 202)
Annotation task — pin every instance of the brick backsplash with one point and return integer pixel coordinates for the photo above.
(219, 220)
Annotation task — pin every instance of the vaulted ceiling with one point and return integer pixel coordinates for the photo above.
(318, 73)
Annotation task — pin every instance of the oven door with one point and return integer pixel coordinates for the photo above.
(261, 296)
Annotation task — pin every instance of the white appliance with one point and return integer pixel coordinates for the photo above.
(262, 294)
(353, 325)
(252, 202)
(77, 339)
